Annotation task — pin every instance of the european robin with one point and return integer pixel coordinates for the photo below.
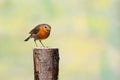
(40, 32)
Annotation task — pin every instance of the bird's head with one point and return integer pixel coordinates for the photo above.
(46, 27)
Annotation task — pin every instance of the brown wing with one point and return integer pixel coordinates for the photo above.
(35, 30)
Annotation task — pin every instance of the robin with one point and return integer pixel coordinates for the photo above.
(40, 32)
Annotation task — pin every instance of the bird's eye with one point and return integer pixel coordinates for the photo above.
(45, 27)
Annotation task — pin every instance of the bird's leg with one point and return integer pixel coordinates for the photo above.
(35, 42)
(41, 43)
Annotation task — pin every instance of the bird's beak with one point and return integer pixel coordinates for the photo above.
(48, 30)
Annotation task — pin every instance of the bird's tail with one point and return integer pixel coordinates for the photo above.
(27, 38)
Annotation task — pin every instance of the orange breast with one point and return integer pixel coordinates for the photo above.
(43, 34)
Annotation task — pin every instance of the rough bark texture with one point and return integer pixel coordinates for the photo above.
(46, 63)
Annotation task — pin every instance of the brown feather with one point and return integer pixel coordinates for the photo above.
(35, 30)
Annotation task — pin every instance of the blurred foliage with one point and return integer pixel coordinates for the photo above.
(87, 32)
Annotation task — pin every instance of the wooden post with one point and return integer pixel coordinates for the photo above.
(46, 63)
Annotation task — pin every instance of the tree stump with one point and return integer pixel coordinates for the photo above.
(46, 63)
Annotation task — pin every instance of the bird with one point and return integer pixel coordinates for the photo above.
(40, 32)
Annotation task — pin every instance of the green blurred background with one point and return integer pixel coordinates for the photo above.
(87, 33)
